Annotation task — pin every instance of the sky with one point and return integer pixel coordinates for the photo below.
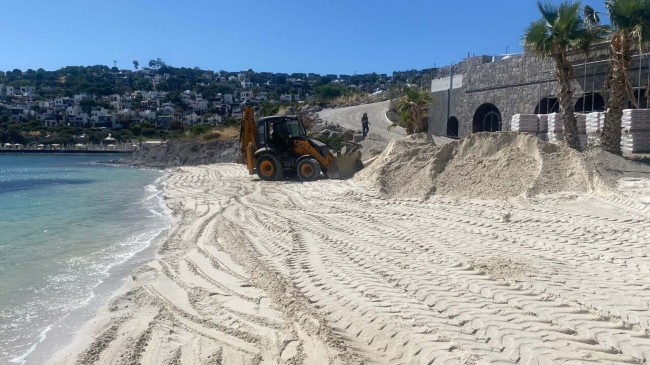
(325, 37)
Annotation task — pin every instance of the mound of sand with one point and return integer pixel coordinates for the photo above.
(482, 165)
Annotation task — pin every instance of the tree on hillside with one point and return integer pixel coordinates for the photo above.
(157, 63)
(136, 64)
(560, 30)
(631, 30)
(324, 80)
(87, 105)
(413, 110)
(330, 91)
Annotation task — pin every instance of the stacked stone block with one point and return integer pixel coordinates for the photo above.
(581, 120)
(526, 123)
(534, 124)
(594, 124)
(556, 132)
(636, 130)
(554, 121)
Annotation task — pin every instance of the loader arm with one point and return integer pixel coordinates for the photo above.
(247, 142)
(339, 166)
(303, 147)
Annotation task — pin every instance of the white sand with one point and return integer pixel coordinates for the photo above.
(330, 272)
(483, 165)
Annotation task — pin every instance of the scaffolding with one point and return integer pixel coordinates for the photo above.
(592, 65)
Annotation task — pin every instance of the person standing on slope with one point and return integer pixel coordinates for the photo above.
(365, 125)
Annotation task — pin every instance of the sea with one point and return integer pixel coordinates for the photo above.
(72, 228)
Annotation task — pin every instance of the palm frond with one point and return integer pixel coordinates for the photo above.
(591, 16)
(537, 38)
(561, 29)
(631, 17)
(548, 11)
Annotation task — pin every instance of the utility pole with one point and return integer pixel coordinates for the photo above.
(507, 49)
(638, 92)
(451, 85)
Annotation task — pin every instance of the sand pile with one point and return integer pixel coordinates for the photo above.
(483, 165)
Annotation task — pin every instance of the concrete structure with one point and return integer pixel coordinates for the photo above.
(483, 93)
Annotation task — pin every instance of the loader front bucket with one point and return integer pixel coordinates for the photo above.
(345, 165)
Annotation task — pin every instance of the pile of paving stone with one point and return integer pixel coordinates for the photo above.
(636, 130)
(525, 123)
(594, 123)
(547, 127)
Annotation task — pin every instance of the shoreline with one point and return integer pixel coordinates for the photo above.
(79, 152)
(120, 284)
(155, 309)
(61, 331)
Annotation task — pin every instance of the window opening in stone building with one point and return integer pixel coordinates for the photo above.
(641, 99)
(591, 102)
(452, 127)
(487, 118)
(547, 106)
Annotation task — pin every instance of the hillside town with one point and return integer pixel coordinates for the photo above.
(154, 101)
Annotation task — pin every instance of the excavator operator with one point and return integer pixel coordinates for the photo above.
(280, 138)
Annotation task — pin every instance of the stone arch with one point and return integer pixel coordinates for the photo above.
(548, 105)
(452, 127)
(590, 102)
(487, 118)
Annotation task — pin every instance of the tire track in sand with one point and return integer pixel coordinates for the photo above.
(328, 272)
(355, 254)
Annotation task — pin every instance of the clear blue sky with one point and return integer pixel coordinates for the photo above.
(327, 36)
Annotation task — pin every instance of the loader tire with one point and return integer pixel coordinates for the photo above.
(308, 169)
(268, 168)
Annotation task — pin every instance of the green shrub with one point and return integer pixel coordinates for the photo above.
(335, 142)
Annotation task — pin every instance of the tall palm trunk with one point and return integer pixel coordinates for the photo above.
(569, 124)
(618, 85)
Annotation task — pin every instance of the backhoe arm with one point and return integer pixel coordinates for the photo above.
(247, 144)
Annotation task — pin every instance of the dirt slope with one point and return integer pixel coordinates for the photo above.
(183, 153)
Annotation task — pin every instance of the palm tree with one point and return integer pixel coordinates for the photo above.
(413, 109)
(631, 25)
(597, 32)
(561, 30)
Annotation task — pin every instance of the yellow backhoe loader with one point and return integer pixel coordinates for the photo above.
(277, 146)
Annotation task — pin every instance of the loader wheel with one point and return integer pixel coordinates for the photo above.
(268, 168)
(308, 169)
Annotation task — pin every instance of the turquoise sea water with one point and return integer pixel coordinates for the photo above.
(67, 224)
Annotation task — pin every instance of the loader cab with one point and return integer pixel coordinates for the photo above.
(278, 132)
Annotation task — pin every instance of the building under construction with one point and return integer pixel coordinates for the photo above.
(483, 93)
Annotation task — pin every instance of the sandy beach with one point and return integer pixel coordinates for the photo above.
(333, 272)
